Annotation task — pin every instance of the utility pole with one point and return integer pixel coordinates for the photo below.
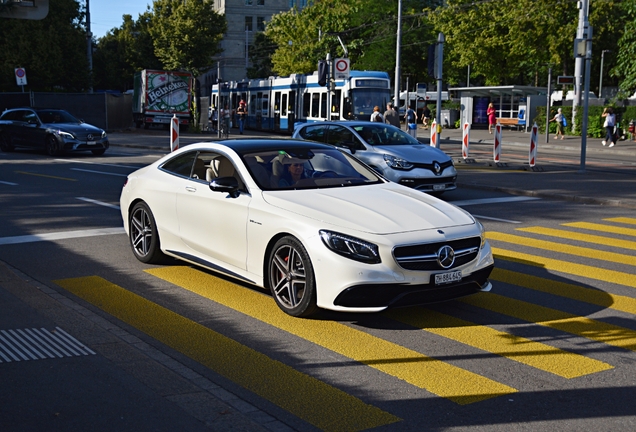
(396, 98)
(600, 80)
(438, 75)
(547, 108)
(579, 63)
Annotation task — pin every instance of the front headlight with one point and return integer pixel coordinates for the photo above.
(397, 163)
(65, 135)
(482, 234)
(351, 247)
(103, 134)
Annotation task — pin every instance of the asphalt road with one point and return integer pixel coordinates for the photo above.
(177, 348)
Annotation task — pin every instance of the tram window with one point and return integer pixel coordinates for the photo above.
(323, 105)
(306, 104)
(277, 102)
(315, 104)
(283, 107)
(252, 106)
(265, 103)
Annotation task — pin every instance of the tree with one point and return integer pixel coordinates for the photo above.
(625, 68)
(186, 34)
(260, 56)
(53, 50)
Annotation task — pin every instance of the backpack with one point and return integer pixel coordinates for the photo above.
(410, 116)
(565, 123)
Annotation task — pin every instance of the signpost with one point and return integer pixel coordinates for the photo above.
(20, 77)
(342, 68)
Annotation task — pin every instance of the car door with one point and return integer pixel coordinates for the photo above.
(34, 133)
(14, 127)
(213, 224)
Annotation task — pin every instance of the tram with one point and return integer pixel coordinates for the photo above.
(278, 103)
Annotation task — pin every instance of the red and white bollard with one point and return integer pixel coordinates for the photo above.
(496, 151)
(434, 135)
(465, 140)
(174, 133)
(532, 158)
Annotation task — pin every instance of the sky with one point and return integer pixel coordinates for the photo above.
(107, 14)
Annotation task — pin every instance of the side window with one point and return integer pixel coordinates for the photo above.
(339, 135)
(323, 105)
(314, 133)
(315, 104)
(306, 104)
(180, 165)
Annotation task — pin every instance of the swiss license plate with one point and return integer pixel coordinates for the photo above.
(439, 187)
(444, 278)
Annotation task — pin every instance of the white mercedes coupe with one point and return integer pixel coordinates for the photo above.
(311, 223)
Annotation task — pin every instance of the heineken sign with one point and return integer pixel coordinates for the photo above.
(168, 92)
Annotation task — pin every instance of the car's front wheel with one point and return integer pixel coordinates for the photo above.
(143, 235)
(5, 143)
(291, 278)
(51, 146)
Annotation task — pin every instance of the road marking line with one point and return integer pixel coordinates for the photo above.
(440, 378)
(624, 220)
(60, 235)
(596, 273)
(516, 348)
(602, 228)
(99, 172)
(562, 248)
(116, 207)
(495, 219)
(588, 238)
(66, 161)
(8, 183)
(44, 175)
(580, 326)
(308, 398)
(492, 200)
(563, 289)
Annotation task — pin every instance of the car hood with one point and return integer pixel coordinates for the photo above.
(74, 127)
(377, 209)
(414, 152)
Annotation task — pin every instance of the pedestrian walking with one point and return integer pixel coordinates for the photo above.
(426, 116)
(391, 116)
(492, 116)
(241, 113)
(610, 122)
(376, 116)
(411, 121)
(559, 118)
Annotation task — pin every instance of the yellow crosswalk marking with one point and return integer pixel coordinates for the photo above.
(588, 238)
(312, 400)
(602, 228)
(519, 349)
(624, 220)
(437, 377)
(550, 264)
(590, 329)
(563, 289)
(562, 248)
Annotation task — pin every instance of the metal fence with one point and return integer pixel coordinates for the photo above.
(107, 111)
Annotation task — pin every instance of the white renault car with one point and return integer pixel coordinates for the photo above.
(309, 222)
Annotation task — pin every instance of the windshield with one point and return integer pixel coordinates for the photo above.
(56, 116)
(307, 169)
(381, 134)
(364, 100)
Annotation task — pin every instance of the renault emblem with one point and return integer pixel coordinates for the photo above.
(437, 168)
(446, 256)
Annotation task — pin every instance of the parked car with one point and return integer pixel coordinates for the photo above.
(390, 151)
(53, 130)
(307, 221)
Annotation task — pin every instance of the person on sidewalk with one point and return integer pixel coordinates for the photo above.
(559, 119)
(241, 112)
(411, 121)
(391, 116)
(376, 116)
(492, 116)
(610, 122)
(426, 116)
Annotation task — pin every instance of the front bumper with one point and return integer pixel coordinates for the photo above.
(69, 145)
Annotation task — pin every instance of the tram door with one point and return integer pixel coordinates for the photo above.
(277, 111)
(291, 112)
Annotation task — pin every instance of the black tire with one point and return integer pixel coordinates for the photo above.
(51, 146)
(99, 152)
(143, 236)
(291, 278)
(5, 143)
(146, 125)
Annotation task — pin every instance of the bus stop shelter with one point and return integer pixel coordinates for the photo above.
(516, 105)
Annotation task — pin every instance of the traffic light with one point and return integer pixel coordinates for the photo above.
(322, 73)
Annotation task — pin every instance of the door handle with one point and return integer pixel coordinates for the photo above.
(191, 189)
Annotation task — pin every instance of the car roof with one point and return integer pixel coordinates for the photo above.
(250, 145)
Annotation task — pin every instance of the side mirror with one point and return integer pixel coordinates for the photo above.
(350, 145)
(33, 121)
(225, 184)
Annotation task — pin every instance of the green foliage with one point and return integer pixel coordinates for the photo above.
(625, 65)
(260, 55)
(52, 50)
(186, 34)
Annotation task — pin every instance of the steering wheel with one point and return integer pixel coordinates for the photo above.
(325, 174)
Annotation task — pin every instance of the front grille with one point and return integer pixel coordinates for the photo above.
(430, 166)
(423, 257)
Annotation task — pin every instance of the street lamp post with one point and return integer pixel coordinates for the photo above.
(600, 80)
